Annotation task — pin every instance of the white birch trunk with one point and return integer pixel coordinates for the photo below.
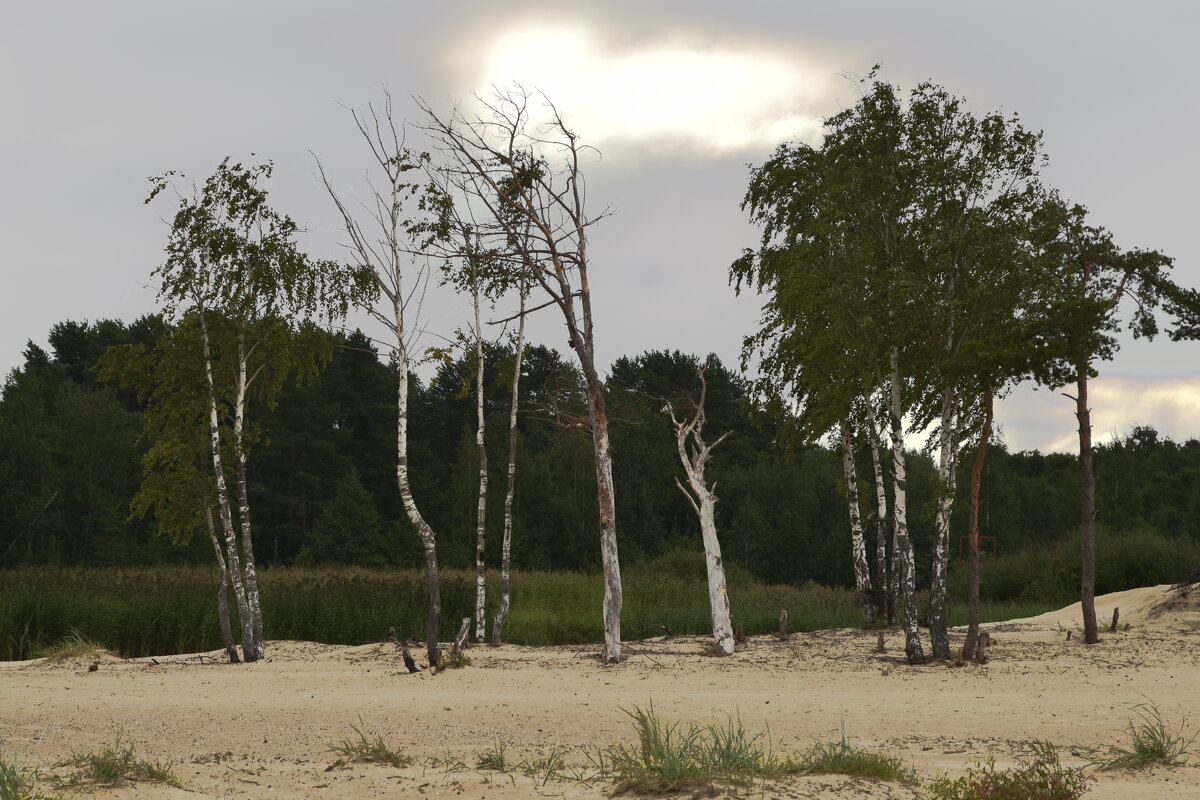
(481, 511)
(222, 592)
(251, 579)
(426, 533)
(703, 500)
(506, 546)
(862, 571)
(885, 583)
(907, 577)
(231, 544)
(947, 447)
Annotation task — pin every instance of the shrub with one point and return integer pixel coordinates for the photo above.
(1039, 776)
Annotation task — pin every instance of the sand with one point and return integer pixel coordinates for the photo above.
(266, 729)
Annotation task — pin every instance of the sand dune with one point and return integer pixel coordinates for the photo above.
(266, 729)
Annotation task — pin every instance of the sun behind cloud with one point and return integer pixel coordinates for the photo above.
(676, 93)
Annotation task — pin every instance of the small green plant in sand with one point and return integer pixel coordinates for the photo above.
(1039, 776)
(447, 762)
(673, 757)
(543, 769)
(18, 781)
(1152, 741)
(362, 747)
(843, 758)
(114, 764)
(452, 659)
(495, 759)
(73, 645)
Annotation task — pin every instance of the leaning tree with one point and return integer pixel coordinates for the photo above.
(234, 271)
(519, 162)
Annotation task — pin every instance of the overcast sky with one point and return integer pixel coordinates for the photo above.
(678, 96)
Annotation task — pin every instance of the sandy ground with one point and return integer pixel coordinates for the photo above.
(266, 729)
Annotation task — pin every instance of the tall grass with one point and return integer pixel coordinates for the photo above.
(166, 610)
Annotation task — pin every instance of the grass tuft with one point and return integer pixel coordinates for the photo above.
(495, 759)
(1039, 776)
(843, 758)
(672, 757)
(114, 764)
(73, 645)
(1152, 741)
(18, 781)
(364, 748)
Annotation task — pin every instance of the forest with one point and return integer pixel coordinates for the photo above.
(71, 448)
(913, 267)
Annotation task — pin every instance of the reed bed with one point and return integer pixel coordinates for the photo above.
(137, 612)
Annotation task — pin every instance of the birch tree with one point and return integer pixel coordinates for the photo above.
(232, 265)
(527, 175)
(396, 223)
(694, 454)
(834, 261)
(975, 177)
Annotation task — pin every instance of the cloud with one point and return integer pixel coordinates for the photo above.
(675, 93)
(1046, 421)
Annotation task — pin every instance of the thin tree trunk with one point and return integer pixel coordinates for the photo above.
(239, 420)
(481, 510)
(862, 570)
(506, 547)
(231, 545)
(884, 584)
(428, 540)
(606, 501)
(1087, 526)
(938, 634)
(973, 534)
(907, 577)
(222, 592)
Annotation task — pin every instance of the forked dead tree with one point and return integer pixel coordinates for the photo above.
(527, 176)
(693, 454)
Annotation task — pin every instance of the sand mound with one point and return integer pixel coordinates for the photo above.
(1158, 606)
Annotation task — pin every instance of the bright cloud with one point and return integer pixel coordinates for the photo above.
(1046, 421)
(708, 99)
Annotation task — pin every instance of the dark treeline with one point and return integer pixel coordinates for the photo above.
(324, 486)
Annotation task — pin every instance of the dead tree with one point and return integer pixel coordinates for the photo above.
(526, 174)
(693, 453)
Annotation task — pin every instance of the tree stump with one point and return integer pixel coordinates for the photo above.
(461, 639)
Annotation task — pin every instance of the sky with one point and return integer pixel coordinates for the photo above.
(680, 98)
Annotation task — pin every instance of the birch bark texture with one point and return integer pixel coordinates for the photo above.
(518, 162)
(694, 454)
(481, 446)
(510, 489)
(858, 546)
(884, 578)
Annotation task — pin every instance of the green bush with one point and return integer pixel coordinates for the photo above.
(1039, 776)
